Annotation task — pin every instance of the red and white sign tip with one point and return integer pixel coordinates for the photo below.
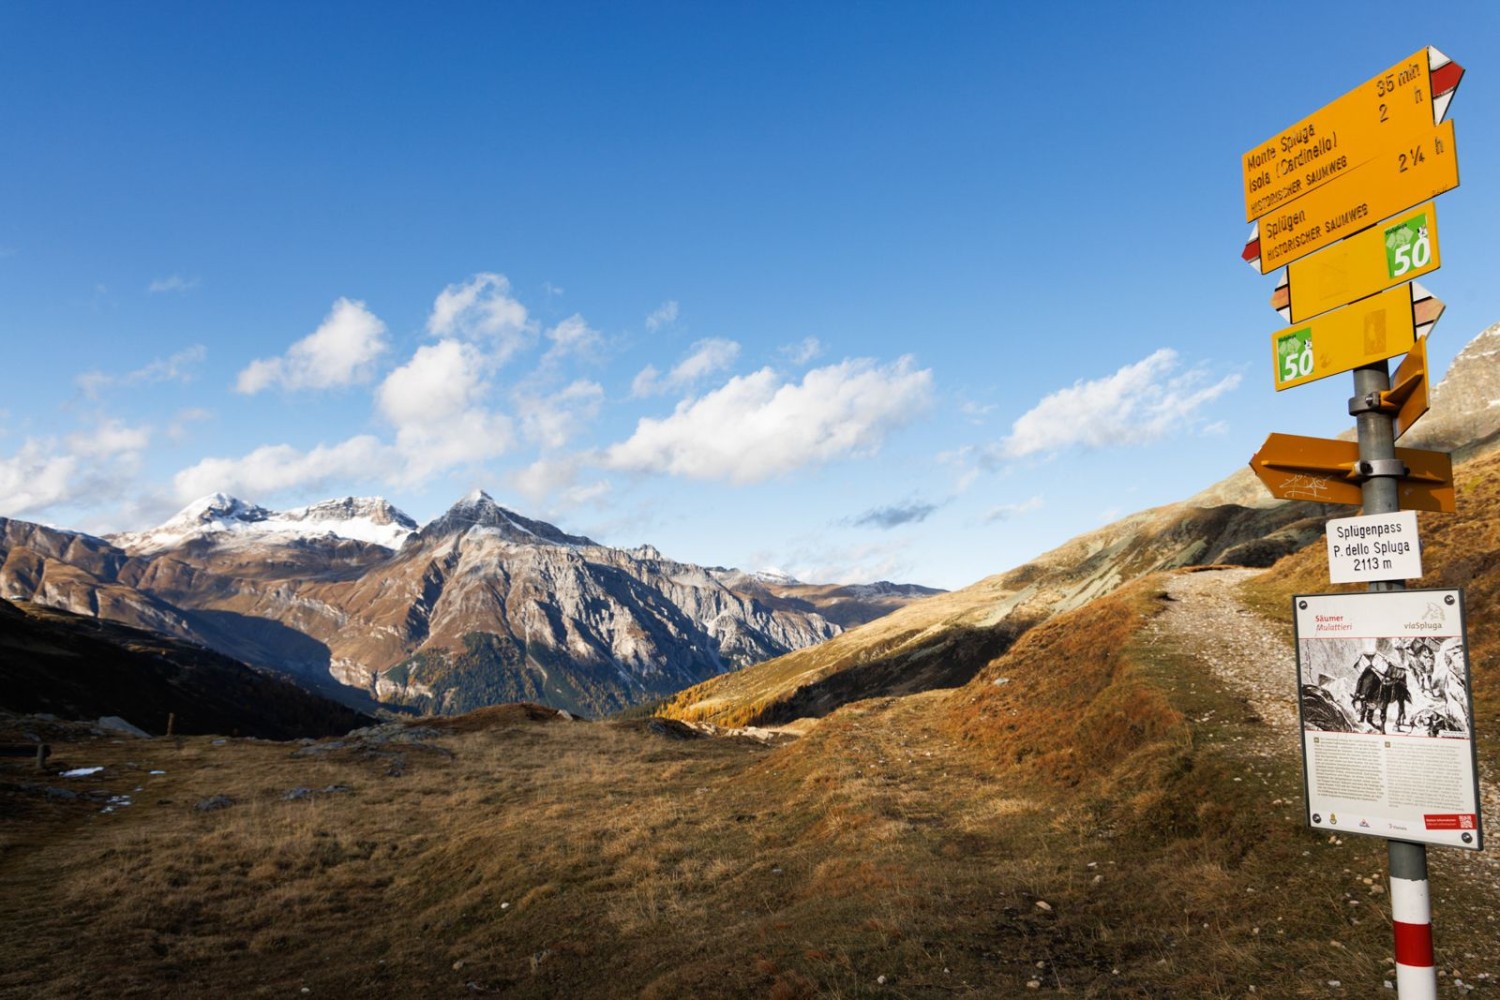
(1445, 76)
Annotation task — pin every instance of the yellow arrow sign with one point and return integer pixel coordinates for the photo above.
(1387, 184)
(1327, 471)
(1339, 136)
(1380, 188)
(1372, 329)
(1392, 109)
(1399, 249)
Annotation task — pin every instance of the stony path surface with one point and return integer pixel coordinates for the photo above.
(1205, 619)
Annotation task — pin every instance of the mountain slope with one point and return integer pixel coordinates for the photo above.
(947, 639)
(83, 668)
(483, 606)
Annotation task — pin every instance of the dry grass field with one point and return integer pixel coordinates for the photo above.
(1092, 815)
(1092, 825)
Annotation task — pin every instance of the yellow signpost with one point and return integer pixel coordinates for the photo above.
(1399, 249)
(1370, 330)
(1370, 155)
(1323, 470)
(1393, 109)
(1390, 182)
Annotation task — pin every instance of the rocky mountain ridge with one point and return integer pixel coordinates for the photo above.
(478, 606)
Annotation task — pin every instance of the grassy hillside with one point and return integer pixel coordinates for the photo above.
(1092, 815)
(945, 640)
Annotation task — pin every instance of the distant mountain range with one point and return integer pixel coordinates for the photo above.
(484, 605)
(480, 606)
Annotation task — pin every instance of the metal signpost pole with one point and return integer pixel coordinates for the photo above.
(1316, 193)
(1411, 907)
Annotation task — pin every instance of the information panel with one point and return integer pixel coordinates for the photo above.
(1387, 718)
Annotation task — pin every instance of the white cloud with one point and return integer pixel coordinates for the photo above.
(181, 425)
(180, 367)
(552, 421)
(36, 477)
(110, 440)
(1007, 511)
(436, 403)
(341, 351)
(1140, 403)
(976, 412)
(573, 336)
(440, 381)
(757, 426)
(801, 353)
(556, 481)
(482, 309)
(471, 436)
(95, 467)
(275, 468)
(645, 382)
(818, 561)
(965, 463)
(704, 358)
(173, 283)
(664, 315)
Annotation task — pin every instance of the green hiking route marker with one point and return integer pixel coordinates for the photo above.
(1294, 354)
(1407, 246)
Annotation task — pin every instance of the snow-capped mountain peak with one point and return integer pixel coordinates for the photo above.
(218, 507)
(478, 510)
(223, 518)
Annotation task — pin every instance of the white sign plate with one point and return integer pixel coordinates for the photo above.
(1374, 547)
(1387, 720)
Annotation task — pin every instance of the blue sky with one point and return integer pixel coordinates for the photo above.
(903, 291)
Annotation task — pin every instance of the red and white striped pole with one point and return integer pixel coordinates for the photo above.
(1411, 912)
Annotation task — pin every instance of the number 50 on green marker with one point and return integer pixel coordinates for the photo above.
(1403, 247)
(1372, 329)
(1294, 355)
(1408, 247)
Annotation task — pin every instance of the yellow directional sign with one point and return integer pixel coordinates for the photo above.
(1392, 109)
(1408, 392)
(1390, 182)
(1370, 330)
(1399, 249)
(1327, 471)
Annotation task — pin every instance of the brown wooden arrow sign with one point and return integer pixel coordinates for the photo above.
(1323, 470)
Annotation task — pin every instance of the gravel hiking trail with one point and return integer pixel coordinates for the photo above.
(1254, 655)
